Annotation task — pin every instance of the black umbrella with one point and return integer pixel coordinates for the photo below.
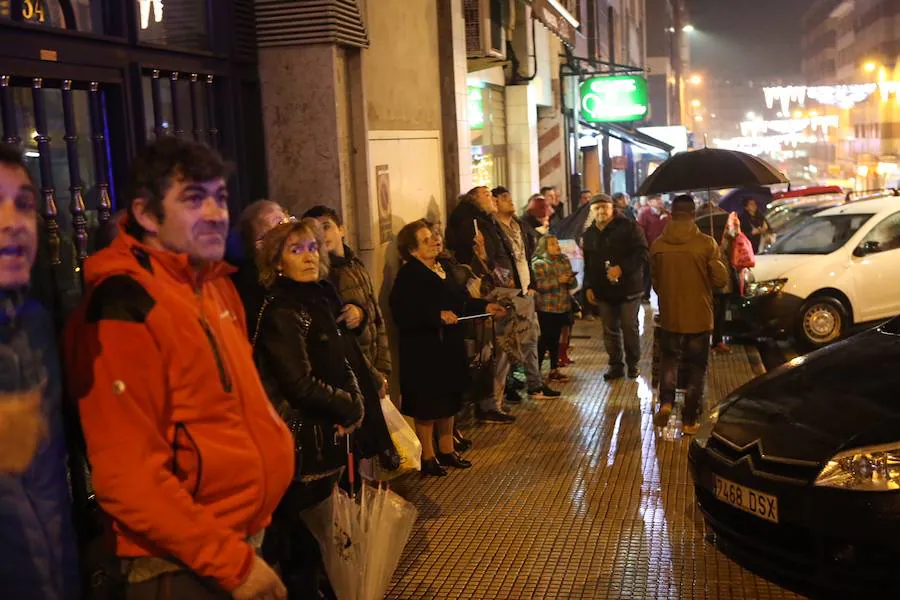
(572, 227)
(713, 224)
(710, 168)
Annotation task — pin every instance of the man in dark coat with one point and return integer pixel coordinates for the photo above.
(475, 215)
(616, 262)
(37, 552)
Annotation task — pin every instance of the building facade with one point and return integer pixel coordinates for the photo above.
(856, 43)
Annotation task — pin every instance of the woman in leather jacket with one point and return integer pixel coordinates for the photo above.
(300, 352)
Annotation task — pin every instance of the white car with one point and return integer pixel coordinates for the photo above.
(839, 269)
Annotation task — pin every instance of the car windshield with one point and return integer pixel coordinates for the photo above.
(819, 235)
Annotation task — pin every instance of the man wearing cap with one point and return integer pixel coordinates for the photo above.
(615, 263)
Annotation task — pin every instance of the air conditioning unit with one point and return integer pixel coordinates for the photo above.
(485, 28)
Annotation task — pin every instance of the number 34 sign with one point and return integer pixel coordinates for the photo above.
(615, 99)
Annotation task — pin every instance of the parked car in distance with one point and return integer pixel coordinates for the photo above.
(799, 471)
(837, 270)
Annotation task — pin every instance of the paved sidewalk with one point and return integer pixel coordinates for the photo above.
(577, 499)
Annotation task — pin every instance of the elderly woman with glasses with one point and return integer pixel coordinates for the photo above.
(426, 305)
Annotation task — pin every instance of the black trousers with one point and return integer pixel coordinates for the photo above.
(683, 361)
(292, 547)
(552, 325)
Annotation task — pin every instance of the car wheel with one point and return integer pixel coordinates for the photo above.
(823, 320)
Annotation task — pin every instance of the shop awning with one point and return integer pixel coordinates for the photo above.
(558, 17)
(627, 134)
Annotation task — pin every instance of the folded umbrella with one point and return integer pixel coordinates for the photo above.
(710, 168)
(361, 539)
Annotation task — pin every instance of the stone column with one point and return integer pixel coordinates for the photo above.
(314, 114)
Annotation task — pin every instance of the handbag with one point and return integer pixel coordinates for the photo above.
(405, 441)
(290, 415)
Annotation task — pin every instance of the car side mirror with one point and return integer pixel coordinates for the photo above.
(866, 248)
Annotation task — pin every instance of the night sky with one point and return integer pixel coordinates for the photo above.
(749, 38)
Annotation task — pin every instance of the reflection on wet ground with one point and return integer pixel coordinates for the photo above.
(578, 499)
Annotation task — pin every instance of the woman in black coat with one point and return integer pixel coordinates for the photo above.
(300, 352)
(434, 370)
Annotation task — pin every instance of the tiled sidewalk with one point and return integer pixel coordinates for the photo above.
(577, 499)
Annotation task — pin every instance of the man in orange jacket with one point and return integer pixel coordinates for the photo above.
(188, 458)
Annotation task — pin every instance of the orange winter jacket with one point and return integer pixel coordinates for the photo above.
(188, 457)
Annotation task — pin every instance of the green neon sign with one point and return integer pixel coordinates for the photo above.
(476, 108)
(614, 99)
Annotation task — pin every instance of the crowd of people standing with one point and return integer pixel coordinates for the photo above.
(253, 388)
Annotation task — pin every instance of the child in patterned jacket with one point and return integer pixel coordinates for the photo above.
(554, 281)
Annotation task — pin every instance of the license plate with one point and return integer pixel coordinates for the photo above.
(764, 506)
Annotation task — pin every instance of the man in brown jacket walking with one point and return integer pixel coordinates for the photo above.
(685, 267)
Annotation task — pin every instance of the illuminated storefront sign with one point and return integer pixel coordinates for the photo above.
(616, 99)
(475, 112)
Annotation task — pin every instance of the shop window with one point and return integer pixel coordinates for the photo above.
(79, 15)
(173, 23)
(487, 122)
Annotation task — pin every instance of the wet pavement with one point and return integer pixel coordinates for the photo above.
(578, 499)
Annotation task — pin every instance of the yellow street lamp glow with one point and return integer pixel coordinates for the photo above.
(813, 113)
(862, 171)
(870, 67)
(698, 118)
(696, 79)
(695, 103)
(798, 114)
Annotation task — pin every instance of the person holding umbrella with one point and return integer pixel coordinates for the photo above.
(686, 268)
(615, 264)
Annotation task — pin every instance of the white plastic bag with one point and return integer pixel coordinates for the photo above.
(405, 441)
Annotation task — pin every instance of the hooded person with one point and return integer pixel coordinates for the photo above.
(686, 267)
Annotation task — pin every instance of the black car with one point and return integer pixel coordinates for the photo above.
(799, 470)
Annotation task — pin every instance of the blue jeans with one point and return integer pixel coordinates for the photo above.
(621, 332)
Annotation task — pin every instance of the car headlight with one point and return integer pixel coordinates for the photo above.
(869, 469)
(764, 288)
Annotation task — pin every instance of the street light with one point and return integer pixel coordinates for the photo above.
(870, 67)
(696, 79)
(751, 115)
(698, 118)
(695, 103)
(688, 29)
